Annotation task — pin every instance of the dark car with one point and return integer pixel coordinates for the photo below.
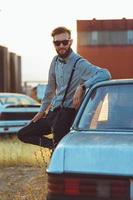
(94, 161)
(16, 111)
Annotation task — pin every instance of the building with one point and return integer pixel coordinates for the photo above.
(10, 71)
(107, 43)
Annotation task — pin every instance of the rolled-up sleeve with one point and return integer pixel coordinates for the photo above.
(93, 74)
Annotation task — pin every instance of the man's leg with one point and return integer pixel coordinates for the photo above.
(63, 125)
(33, 132)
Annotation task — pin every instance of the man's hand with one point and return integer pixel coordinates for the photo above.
(38, 116)
(77, 98)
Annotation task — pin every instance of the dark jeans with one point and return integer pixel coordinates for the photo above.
(34, 133)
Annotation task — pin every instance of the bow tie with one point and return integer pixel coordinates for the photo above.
(61, 61)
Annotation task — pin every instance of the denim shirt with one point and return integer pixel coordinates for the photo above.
(59, 74)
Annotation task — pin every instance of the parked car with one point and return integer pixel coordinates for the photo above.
(94, 161)
(16, 111)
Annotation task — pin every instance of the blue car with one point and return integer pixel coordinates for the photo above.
(94, 161)
(16, 111)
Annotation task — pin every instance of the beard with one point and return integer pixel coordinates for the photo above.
(65, 54)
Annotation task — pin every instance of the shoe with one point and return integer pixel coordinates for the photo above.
(47, 143)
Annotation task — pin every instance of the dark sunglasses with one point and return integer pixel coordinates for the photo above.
(58, 43)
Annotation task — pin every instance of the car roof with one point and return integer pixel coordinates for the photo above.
(114, 82)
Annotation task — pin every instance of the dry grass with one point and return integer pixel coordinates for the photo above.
(22, 170)
(13, 152)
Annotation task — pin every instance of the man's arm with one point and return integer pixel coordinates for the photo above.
(91, 75)
(50, 89)
(49, 93)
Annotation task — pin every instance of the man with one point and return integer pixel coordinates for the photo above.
(85, 75)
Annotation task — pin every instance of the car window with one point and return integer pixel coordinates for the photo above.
(11, 100)
(8, 100)
(26, 100)
(17, 100)
(109, 107)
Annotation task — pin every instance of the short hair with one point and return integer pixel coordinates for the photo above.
(60, 30)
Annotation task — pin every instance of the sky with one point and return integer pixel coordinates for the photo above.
(26, 26)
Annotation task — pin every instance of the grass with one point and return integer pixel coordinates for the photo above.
(23, 168)
(14, 152)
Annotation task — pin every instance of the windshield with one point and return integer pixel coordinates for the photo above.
(17, 100)
(109, 107)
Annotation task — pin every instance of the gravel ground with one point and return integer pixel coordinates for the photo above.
(23, 183)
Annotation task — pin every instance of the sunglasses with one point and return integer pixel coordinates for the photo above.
(58, 43)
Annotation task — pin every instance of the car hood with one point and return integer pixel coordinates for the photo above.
(94, 153)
